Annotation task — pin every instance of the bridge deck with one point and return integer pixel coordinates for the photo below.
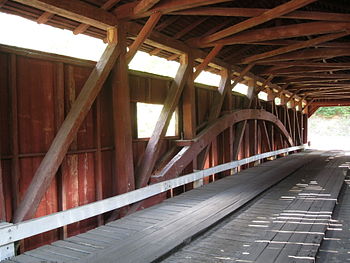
(154, 233)
(335, 247)
(286, 224)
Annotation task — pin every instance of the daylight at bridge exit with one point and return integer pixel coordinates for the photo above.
(174, 131)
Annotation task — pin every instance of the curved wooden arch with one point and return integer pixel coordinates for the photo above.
(187, 153)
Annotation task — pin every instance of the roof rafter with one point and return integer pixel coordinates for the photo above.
(165, 7)
(106, 6)
(254, 21)
(309, 64)
(144, 5)
(296, 70)
(294, 47)
(281, 32)
(251, 12)
(320, 53)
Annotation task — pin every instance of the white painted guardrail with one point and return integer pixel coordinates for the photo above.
(15, 232)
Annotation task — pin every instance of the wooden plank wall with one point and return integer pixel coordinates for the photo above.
(36, 94)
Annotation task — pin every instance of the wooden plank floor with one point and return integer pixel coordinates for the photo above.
(335, 246)
(285, 224)
(150, 234)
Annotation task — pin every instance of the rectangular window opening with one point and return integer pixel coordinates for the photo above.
(147, 117)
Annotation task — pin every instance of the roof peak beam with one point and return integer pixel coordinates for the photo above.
(257, 20)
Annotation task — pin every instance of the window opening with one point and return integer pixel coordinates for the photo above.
(240, 88)
(147, 117)
(262, 95)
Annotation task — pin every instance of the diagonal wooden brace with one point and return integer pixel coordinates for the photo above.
(58, 149)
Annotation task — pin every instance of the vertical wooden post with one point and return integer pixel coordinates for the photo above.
(98, 156)
(306, 127)
(297, 128)
(228, 133)
(189, 122)
(301, 121)
(2, 193)
(189, 104)
(279, 116)
(288, 122)
(242, 127)
(262, 133)
(69, 167)
(59, 118)
(272, 129)
(124, 166)
(15, 166)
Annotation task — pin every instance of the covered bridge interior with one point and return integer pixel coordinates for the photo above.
(74, 168)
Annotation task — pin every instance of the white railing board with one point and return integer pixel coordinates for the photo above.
(43, 224)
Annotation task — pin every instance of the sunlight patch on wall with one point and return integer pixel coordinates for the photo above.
(24, 33)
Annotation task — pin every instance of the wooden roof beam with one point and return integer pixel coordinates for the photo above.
(287, 42)
(296, 70)
(319, 76)
(265, 83)
(144, 5)
(181, 33)
(332, 103)
(280, 32)
(127, 11)
(46, 16)
(189, 28)
(297, 46)
(166, 23)
(106, 6)
(329, 65)
(252, 12)
(2, 3)
(320, 53)
(258, 20)
(75, 10)
(207, 60)
(143, 35)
